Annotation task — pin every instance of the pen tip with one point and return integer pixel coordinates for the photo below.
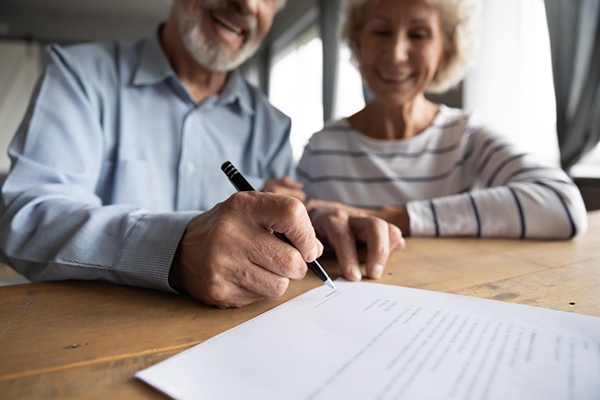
(329, 283)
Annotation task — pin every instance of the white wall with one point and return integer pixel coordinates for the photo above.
(511, 84)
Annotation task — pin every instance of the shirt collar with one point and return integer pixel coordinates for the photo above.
(153, 67)
(236, 89)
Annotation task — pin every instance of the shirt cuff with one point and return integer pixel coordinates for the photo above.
(146, 257)
(422, 222)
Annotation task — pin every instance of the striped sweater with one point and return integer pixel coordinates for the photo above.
(456, 178)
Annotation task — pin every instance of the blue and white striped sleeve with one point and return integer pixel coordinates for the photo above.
(512, 195)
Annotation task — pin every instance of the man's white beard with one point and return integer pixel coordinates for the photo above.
(210, 52)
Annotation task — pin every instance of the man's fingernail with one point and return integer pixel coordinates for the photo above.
(355, 272)
(377, 271)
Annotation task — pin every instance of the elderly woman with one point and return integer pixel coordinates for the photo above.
(429, 169)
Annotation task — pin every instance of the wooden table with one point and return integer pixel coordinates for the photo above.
(87, 339)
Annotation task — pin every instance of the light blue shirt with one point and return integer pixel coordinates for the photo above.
(114, 158)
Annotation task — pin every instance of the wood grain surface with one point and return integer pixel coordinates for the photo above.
(77, 339)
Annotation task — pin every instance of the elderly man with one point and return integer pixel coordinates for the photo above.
(120, 151)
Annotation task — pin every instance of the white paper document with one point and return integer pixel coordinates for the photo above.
(374, 341)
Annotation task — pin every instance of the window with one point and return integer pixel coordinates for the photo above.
(511, 85)
(295, 87)
(349, 93)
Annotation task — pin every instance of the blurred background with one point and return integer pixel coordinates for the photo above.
(307, 73)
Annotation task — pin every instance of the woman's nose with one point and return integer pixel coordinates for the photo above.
(400, 49)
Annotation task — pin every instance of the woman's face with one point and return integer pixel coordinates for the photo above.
(401, 47)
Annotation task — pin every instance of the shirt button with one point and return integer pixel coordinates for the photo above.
(190, 168)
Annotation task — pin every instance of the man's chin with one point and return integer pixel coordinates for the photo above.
(220, 64)
(224, 60)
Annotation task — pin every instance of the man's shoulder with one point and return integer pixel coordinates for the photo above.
(95, 59)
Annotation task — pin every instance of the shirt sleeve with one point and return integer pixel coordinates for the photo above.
(53, 226)
(512, 195)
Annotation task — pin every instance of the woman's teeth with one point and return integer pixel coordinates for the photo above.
(395, 77)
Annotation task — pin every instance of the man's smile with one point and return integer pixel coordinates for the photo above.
(227, 28)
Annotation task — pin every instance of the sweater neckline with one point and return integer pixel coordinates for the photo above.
(436, 126)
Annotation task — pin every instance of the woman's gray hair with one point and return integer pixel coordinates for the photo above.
(460, 20)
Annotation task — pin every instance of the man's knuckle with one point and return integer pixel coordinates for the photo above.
(211, 274)
(296, 268)
(292, 263)
(217, 293)
(295, 209)
(215, 259)
(220, 230)
(237, 201)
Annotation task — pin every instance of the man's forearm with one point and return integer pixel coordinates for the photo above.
(71, 240)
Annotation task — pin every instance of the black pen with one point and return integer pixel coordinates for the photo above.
(242, 185)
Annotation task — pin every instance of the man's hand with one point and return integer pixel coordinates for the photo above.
(228, 256)
(286, 186)
(342, 226)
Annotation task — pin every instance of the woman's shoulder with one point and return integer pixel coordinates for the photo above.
(450, 117)
(332, 134)
(460, 122)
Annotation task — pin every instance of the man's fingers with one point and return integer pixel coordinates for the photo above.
(375, 233)
(255, 279)
(285, 215)
(228, 256)
(276, 256)
(223, 292)
(236, 297)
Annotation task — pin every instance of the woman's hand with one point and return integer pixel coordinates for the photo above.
(287, 186)
(341, 226)
(394, 215)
